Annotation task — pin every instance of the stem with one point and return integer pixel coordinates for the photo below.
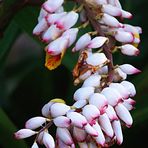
(106, 47)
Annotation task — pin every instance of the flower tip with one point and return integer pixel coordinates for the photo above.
(137, 52)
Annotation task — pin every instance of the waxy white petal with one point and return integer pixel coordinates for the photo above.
(51, 6)
(93, 80)
(129, 69)
(112, 95)
(80, 103)
(124, 114)
(48, 140)
(64, 135)
(106, 125)
(82, 42)
(129, 50)
(126, 14)
(79, 134)
(77, 119)
(97, 42)
(59, 109)
(83, 93)
(24, 133)
(99, 101)
(34, 145)
(118, 131)
(42, 14)
(97, 59)
(91, 113)
(129, 103)
(62, 121)
(100, 139)
(130, 87)
(111, 113)
(121, 89)
(90, 130)
(35, 122)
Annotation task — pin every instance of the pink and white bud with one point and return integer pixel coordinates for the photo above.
(93, 81)
(82, 42)
(71, 35)
(129, 50)
(100, 139)
(35, 122)
(57, 46)
(24, 133)
(97, 42)
(42, 14)
(124, 37)
(64, 135)
(62, 121)
(90, 130)
(130, 87)
(119, 75)
(46, 109)
(80, 103)
(130, 28)
(97, 59)
(79, 134)
(35, 145)
(40, 27)
(59, 10)
(51, 6)
(121, 89)
(126, 14)
(52, 18)
(129, 69)
(112, 95)
(124, 114)
(105, 124)
(99, 101)
(59, 109)
(111, 10)
(111, 113)
(91, 113)
(129, 103)
(48, 140)
(118, 131)
(51, 34)
(83, 93)
(64, 23)
(83, 145)
(77, 119)
(110, 21)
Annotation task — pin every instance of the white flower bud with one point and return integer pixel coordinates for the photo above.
(59, 109)
(90, 130)
(112, 95)
(93, 81)
(99, 101)
(130, 87)
(129, 50)
(34, 145)
(24, 133)
(129, 69)
(62, 121)
(124, 114)
(126, 14)
(111, 10)
(97, 59)
(106, 125)
(91, 113)
(48, 140)
(57, 46)
(64, 136)
(77, 119)
(83, 93)
(67, 21)
(80, 103)
(35, 122)
(97, 42)
(51, 6)
(42, 14)
(118, 131)
(82, 42)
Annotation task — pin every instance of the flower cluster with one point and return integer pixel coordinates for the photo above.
(103, 101)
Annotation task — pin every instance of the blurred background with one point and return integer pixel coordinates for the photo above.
(26, 85)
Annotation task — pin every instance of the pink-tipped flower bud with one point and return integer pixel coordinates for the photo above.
(129, 103)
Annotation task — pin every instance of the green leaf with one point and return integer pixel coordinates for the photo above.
(7, 129)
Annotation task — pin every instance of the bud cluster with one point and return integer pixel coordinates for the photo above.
(105, 98)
